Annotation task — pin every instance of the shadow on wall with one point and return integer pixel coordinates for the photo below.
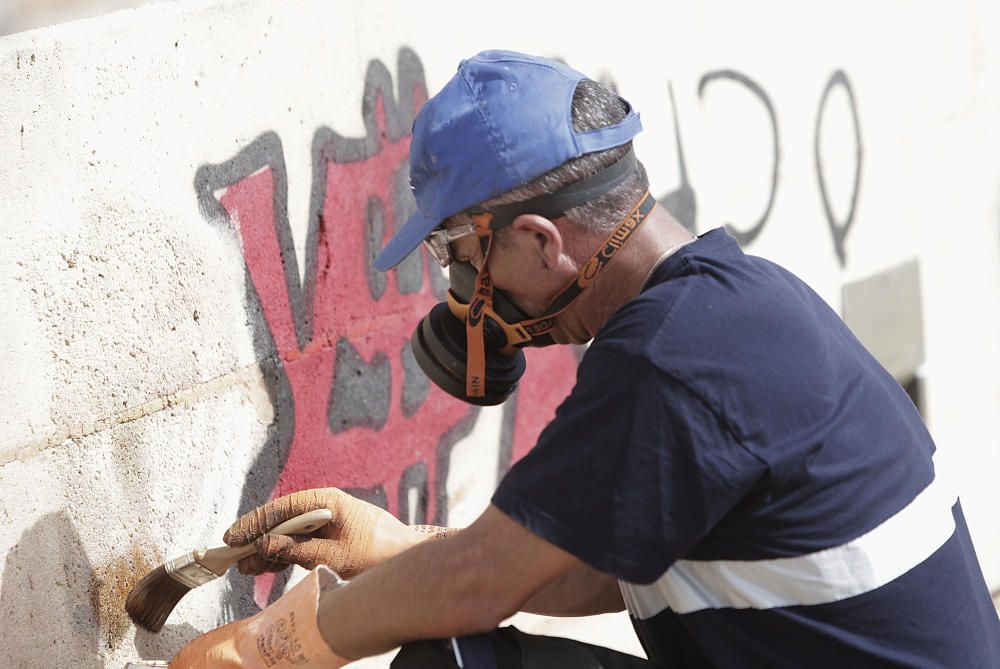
(47, 609)
(45, 614)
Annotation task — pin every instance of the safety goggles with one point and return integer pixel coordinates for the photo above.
(438, 243)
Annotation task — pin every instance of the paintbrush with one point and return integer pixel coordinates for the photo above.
(155, 596)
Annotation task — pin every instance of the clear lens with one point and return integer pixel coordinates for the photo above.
(437, 242)
(458, 231)
(439, 250)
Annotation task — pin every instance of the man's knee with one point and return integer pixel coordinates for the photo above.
(430, 654)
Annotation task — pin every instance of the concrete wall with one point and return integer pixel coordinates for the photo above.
(191, 194)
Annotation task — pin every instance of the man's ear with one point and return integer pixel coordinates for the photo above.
(541, 238)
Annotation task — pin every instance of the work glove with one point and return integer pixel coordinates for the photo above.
(285, 635)
(359, 536)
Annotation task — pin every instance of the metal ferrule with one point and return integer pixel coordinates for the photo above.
(187, 570)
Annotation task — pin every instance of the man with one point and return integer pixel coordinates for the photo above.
(732, 466)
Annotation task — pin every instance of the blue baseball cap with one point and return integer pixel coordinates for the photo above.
(504, 119)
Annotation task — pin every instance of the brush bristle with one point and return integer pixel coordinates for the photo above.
(153, 598)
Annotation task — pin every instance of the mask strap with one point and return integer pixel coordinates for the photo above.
(541, 325)
(479, 306)
(481, 303)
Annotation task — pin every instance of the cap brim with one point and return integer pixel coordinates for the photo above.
(406, 239)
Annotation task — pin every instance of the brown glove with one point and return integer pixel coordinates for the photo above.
(359, 536)
(285, 635)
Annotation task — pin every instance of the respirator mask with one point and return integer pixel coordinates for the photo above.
(470, 346)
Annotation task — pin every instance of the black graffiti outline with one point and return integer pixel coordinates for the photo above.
(682, 202)
(746, 238)
(263, 152)
(840, 231)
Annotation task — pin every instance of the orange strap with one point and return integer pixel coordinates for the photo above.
(479, 306)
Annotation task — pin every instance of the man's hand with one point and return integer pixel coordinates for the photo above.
(359, 536)
(462, 585)
(282, 636)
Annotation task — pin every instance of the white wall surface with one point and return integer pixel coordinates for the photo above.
(152, 389)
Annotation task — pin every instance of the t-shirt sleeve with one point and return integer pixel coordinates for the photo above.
(633, 470)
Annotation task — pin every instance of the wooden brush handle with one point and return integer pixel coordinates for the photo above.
(223, 557)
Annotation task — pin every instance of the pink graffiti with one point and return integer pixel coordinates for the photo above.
(342, 307)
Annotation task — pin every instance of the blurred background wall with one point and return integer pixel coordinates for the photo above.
(20, 15)
(191, 194)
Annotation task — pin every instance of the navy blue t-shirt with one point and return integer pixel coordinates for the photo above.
(762, 488)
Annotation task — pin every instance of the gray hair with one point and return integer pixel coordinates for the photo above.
(594, 106)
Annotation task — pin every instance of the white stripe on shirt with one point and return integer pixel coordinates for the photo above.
(872, 560)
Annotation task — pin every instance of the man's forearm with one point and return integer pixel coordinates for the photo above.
(455, 586)
(431, 591)
(583, 591)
